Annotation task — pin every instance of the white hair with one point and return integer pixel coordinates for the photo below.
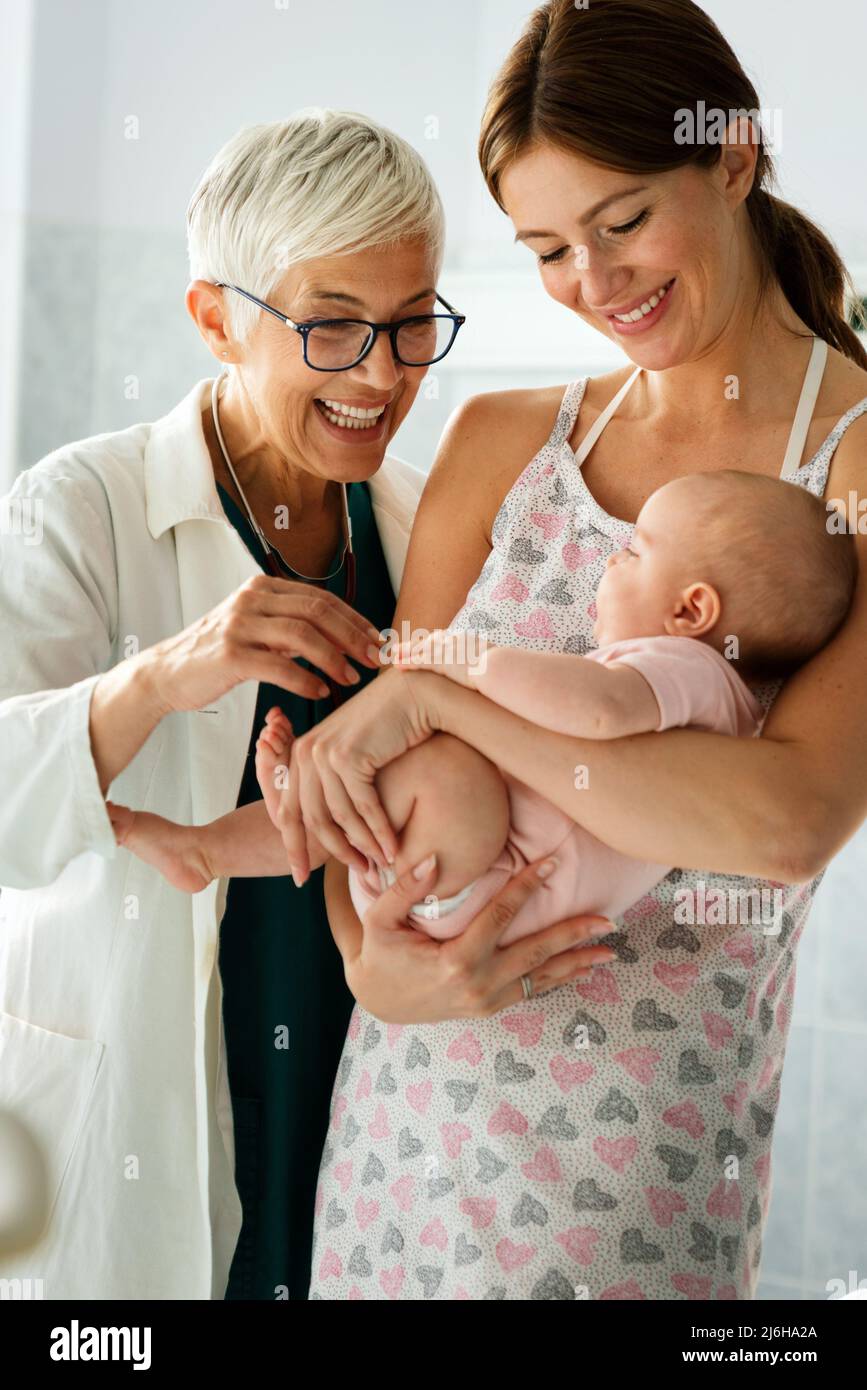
(322, 183)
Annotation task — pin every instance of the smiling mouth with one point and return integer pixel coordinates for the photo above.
(647, 306)
(350, 417)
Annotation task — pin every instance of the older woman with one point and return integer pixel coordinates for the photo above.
(161, 588)
(491, 1159)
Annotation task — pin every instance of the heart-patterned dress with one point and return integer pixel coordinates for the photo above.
(610, 1139)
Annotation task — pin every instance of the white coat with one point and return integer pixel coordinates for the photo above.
(111, 1041)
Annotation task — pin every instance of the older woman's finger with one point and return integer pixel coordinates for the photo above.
(324, 613)
(295, 637)
(259, 664)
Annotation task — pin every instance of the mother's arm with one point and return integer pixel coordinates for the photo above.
(778, 807)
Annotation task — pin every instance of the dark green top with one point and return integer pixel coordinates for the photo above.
(281, 971)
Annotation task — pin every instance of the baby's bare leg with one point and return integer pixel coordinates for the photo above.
(446, 798)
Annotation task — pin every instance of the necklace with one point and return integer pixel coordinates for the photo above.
(272, 554)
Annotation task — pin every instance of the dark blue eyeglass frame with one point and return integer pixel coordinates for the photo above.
(304, 329)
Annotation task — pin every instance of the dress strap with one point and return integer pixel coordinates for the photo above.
(601, 421)
(806, 406)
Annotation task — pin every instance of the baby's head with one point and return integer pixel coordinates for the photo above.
(725, 555)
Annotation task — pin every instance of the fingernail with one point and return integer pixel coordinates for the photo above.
(545, 870)
(351, 674)
(423, 869)
(373, 653)
(375, 633)
(603, 929)
(323, 691)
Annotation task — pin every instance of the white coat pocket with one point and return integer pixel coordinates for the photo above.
(46, 1081)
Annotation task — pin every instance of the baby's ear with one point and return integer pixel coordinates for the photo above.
(696, 612)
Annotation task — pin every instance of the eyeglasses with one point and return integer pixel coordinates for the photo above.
(334, 345)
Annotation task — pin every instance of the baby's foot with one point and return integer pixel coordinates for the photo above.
(273, 754)
(170, 848)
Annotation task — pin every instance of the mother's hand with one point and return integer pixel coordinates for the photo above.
(256, 634)
(331, 784)
(400, 975)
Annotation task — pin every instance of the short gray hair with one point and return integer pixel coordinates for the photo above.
(322, 183)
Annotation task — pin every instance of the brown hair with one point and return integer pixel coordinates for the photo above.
(563, 83)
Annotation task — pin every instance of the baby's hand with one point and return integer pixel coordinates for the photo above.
(171, 848)
(458, 655)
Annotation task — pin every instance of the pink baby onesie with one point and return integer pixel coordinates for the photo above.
(693, 685)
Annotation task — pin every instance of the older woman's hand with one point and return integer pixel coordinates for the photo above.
(256, 634)
(331, 785)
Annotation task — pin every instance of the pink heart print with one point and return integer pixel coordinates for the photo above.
(528, 1028)
(735, 1100)
(568, 1074)
(403, 1192)
(601, 989)
(630, 1290)
(393, 1032)
(617, 1153)
(640, 1062)
(580, 1242)
(694, 1286)
(678, 978)
(435, 1234)
(343, 1174)
(339, 1108)
(391, 1280)
(740, 947)
(365, 1212)
(454, 1135)
(512, 1256)
(510, 586)
(576, 556)
(364, 1087)
(480, 1210)
(685, 1116)
(379, 1127)
(762, 1169)
(664, 1204)
(718, 1030)
(544, 1166)
(551, 523)
(725, 1200)
(465, 1048)
(507, 1120)
(330, 1264)
(418, 1096)
(537, 625)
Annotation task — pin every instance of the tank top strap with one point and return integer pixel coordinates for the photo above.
(602, 419)
(804, 412)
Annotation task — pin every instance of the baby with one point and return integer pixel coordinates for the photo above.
(724, 570)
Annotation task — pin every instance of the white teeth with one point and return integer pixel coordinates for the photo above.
(646, 308)
(352, 417)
